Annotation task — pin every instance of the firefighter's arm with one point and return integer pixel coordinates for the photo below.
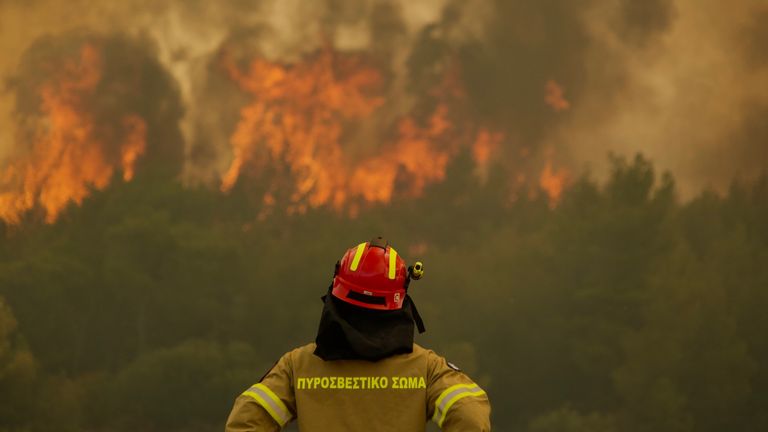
(248, 416)
(454, 401)
(268, 405)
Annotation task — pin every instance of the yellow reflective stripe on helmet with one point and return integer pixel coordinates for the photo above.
(358, 255)
(450, 396)
(270, 402)
(392, 262)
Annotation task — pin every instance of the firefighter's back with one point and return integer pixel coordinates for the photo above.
(397, 393)
(359, 395)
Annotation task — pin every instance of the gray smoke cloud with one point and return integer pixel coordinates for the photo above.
(682, 81)
(685, 97)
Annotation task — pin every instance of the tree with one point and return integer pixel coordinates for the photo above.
(18, 373)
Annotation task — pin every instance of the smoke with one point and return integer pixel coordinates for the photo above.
(687, 96)
(638, 23)
(755, 39)
(682, 81)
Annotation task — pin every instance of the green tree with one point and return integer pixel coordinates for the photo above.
(190, 386)
(18, 374)
(567, 419)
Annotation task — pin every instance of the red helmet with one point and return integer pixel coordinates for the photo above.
(371, 275)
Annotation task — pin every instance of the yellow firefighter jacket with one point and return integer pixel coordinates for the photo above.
(398, 393)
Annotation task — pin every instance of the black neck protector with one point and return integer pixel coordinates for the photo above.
(349, 332)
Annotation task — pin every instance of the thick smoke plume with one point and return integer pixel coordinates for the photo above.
(548, 88)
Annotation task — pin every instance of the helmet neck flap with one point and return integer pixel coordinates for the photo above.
(349, 332)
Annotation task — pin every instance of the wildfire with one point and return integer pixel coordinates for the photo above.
(553, 183)
(67, 158)
(300, 116)
(306, 129)
(135, 144)
(486, 143)
(296, 115)
(554, 96)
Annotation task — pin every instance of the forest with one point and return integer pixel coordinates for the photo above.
(152, 305)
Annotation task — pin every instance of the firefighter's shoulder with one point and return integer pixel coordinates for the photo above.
(302, 356)
(286, 362)
(295, 355)
(435, 362)
(302, 351)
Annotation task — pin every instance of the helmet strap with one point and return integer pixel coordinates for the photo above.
(416, 317)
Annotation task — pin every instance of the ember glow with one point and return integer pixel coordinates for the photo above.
(301, 116)
(135, 144)
(554, 96)
(486, 145)
(553, 182)
(67, 158)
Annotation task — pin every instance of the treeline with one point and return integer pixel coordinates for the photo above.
(153, 305)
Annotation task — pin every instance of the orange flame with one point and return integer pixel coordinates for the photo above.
(135, 144)
(554, 96)
(299, 116)
(553, 183)
(485, 145)
(413, 156)
(66, 158)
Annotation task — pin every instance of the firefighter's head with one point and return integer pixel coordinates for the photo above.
(369, 314)
(373, 276)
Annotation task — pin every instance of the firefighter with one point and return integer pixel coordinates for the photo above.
(364, 372)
